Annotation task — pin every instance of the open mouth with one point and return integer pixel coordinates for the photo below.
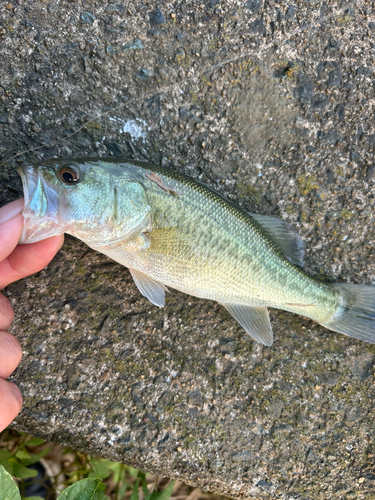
(41, 217)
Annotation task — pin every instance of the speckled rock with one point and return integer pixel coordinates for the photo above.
(271, 104)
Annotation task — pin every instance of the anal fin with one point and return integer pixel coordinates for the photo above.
(255, 321)
(149, 288)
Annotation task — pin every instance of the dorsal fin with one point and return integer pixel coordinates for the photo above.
(284, 237)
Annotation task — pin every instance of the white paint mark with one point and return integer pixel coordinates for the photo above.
(135, 128)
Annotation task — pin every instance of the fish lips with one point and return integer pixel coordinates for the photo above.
(41, 209)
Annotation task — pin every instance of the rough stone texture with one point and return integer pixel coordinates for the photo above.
(269, 102)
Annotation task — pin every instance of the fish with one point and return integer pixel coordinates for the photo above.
(173, 231)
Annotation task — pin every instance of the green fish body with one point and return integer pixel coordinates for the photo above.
(172, 231)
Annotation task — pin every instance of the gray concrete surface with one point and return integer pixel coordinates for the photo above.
(269, 102)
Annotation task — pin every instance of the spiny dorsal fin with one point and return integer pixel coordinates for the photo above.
(284, 236)
(255, 320)
(149, 288)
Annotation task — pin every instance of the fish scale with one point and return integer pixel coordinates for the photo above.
(252, 265)
(171, 230)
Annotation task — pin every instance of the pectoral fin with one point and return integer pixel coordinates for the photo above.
(149, 288)
(255, 320)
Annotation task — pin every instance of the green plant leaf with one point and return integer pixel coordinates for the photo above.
(34, 441)
(135, 494)
(34, 458)
(82, 490)
(15, 468)
(33, 498)
(100, 468)
(8, 487)
(22, 455)
(117, 469)
(22, 472)
(144, 485)
(133, 472)
(4, 455)
(122, 490)
(8, 466)
(100, 493)
(165, 494)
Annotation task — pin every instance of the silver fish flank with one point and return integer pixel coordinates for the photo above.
(173, 231)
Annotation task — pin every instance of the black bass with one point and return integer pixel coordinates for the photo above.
(171, 230)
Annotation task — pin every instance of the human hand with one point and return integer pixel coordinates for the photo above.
(16, 262)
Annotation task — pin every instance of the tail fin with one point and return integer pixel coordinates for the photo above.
(356, 314)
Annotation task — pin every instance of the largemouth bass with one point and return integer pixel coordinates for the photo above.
(173, 231)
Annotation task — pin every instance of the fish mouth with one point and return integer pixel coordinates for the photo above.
(41, 208)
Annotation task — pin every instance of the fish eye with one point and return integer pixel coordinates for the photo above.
(69, 175)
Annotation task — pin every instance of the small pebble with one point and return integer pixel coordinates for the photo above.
(87, 17)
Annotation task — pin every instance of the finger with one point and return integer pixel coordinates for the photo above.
(11, 402)
(6, 314)
(13, 208)
(10, 355)
(11, 224)
(28, 259)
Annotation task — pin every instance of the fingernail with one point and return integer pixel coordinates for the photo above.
(11, 210)
(16, 392)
